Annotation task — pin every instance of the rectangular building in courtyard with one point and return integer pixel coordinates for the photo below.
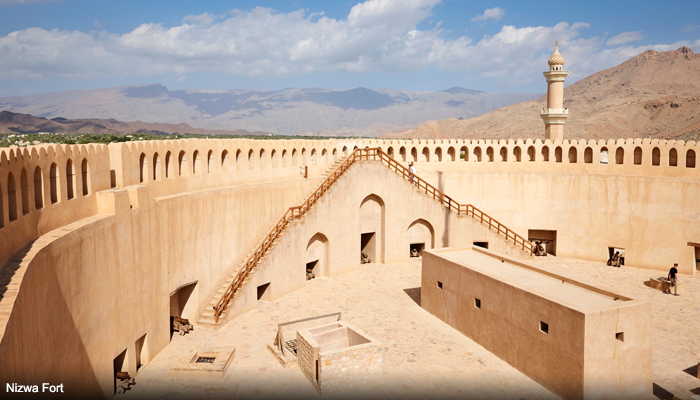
(577, 340)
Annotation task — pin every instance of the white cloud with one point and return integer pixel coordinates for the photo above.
(495, 14)
(181, 79)
(376, 36)
(8, 2)
(97, 24)
(690, 27)
(625, 37)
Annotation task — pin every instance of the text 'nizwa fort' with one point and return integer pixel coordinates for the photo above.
(327, 268)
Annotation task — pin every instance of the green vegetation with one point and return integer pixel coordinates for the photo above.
(24, 140)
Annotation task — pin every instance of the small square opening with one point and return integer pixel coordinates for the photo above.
(544, 327)
(205, 360)
(616, 256)
(482, 244)
(620, 336)
(416, 249)
(477, 303)
(439, 285)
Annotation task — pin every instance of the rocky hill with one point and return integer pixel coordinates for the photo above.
(25, 123)
(308, 111)
(655, 94)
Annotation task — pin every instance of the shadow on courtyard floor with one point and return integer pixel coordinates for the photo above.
(662, 393)
(414, 294)
(692, 371)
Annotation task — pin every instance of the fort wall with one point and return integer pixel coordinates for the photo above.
(76, 254)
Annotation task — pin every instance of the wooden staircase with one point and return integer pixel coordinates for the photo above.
(216, 309)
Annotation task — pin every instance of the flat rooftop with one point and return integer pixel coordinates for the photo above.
(561, 289)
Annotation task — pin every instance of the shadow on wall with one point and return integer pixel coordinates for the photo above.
(45, 320)
(9, 270)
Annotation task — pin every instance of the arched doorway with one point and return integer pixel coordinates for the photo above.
(372, 228)
(317, 259)
(420, 236)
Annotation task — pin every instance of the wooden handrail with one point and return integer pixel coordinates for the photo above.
(366, 154)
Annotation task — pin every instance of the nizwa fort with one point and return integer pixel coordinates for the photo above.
(307, 268)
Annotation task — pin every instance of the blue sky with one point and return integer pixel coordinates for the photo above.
(54, 45)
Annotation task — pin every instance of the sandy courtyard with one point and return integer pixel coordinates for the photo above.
(422, 356)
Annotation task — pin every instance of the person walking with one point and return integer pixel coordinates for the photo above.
(413, 172)
(673, 277)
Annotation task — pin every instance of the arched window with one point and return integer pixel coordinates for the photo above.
(604, 155)
(156, 167)
(251, 159)
(573, 155)
(451, 154)
(85, 174)
(345, 151)
(414, 154)
(620, 156)
(402, 154)
(224, 160)
(517, 153)
(38, 189)
(142, 167)
(196, 163)
(263, 159)
(464, 153)
(656, 156)
(24, 186)
(673, 158)
(182, 163)
(295, 157)
(425, 155)
(335, 155)
(489, 154)
(545, 153)
(11, 197)
(324, 156)
(390, 152)
(285, 156)
(239, 160)
(53, 183)
(557, 154)
(303, 157)
(2, 210)
(210, 161)
(690, 159)
(168, 165)
(273, 158)
(314, 159)
(438, 154)
(588, 155)
(638, 156)
(70, 179)
(477, 153)
(504, 154)
(531, 153)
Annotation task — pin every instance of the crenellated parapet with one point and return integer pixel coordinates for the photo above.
(48, 186)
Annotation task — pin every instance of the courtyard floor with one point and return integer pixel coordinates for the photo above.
(422, 356)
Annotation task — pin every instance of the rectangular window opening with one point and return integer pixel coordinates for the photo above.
(482, 244)
(439, 284)
(620, 336)
(477, 303)
(544, 327)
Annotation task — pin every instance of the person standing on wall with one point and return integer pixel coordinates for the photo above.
(413, 172)
(673, 277)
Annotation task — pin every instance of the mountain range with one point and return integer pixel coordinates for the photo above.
(308, 111)
(652, 95)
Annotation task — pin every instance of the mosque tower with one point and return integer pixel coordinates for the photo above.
(555, 115)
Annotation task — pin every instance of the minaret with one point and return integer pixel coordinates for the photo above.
(555, 114)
